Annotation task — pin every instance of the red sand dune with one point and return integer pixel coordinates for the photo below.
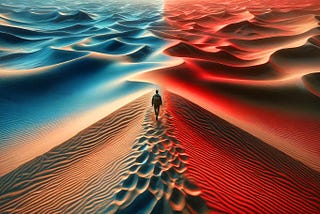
(251, 68)
(253, 64)
(279, 113)
(237, 172)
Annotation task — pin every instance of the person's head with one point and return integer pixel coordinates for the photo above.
(157, 91)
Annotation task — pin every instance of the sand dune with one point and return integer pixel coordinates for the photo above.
(189, 161)
(115, 165)
(257, 69)
(31, 60)
(80, 174)
(282, 115)
(238, 132)
(311, 82)
(238, 172)
(301, 60)
(62, 60)
(234, 33)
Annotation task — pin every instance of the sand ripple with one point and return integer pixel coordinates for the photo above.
(81, 174)
(113, 166)
(238, 172)
(156, 182)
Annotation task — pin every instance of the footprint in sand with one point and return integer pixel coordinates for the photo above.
(156, 182)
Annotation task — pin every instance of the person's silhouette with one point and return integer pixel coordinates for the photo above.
(156, 103)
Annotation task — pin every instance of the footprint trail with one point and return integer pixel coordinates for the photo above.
(157, 181)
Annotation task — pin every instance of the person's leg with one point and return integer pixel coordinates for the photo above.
(155, 109)
(158, 110)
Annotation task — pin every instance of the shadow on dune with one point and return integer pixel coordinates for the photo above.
(81, 174)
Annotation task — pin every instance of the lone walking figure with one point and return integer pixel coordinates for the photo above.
(156, 102)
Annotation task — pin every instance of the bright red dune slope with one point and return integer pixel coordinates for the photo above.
(237, 172)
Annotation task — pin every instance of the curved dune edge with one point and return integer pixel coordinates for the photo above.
(80, 174)
(311, 81)
(52, 135)
(238, 172)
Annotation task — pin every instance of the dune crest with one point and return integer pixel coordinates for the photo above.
(157, 182)
(116, 165)
(80, 174)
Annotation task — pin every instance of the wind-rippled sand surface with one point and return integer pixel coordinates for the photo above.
(238, 132)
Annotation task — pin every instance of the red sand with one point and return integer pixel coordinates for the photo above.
(237, 172)
(251, 63)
